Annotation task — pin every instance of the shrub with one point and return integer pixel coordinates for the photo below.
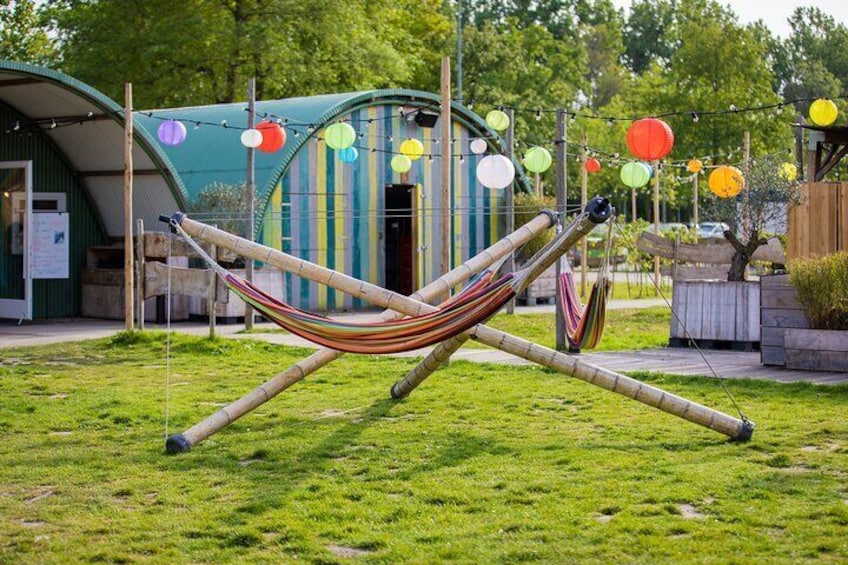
(822, 287)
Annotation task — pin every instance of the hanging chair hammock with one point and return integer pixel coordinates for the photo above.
(584, 325)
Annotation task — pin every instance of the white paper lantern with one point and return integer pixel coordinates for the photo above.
(478, 146)
(251, 138)
(495, 171)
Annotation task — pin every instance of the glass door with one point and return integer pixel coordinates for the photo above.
(15, 239)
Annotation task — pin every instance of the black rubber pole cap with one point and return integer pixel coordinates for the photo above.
(599, 210)
(177, 443)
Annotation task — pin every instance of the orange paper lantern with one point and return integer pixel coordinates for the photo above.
(592, 165)
(726, 181)
(650, 139)
(273, 137)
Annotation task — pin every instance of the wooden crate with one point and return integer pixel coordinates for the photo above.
(779, 311)
(816, 350)
(716, 313)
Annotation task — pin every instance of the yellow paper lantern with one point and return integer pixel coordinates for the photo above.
(788, 171)
(726, 181)
(694, 166)
(412, 148)
(823, 112)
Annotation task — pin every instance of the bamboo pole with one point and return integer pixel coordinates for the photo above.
(537, 265)
(129, 295)
(604, 378)
(280, 382)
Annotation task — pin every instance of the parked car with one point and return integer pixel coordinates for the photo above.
(712, 229)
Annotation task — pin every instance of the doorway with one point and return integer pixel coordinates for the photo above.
(15, 239)
(398, 249)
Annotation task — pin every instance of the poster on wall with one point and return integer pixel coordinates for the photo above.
(50, 245)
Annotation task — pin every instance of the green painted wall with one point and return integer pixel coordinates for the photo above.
(51, 173)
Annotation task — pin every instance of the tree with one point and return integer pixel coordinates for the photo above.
(24, 34)
(762, 203)
(649, 35)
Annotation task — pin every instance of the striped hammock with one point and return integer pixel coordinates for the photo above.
(479, 300)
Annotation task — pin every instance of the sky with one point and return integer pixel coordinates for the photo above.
(775, 13)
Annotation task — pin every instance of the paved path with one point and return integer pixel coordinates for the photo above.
(680, 361)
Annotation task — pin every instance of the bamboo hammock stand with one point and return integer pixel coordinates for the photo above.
(597, 211)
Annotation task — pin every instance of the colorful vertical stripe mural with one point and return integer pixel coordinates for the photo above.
(333, 213)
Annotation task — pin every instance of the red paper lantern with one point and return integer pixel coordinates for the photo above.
(650, 139)
(592, 165)
(273, 137)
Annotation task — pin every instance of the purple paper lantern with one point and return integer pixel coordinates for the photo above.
(171, 132)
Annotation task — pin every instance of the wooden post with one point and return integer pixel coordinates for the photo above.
(445, 236)
(509, 199)
(251, 190)
(799, 147)
(604, 378)
(211, 297)
(561, 188)
(300, 370)
(633, 203)
(584, 191)
(746, 168)
(129, 295)
(139, 270)
(657, 281)
(695, 217)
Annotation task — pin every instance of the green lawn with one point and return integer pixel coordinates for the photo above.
(482, 464)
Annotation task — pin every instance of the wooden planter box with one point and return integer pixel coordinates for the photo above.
(816, 350)
(716, 314)
(779, 312)
(232, 311)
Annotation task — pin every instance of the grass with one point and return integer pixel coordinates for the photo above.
(484, 463)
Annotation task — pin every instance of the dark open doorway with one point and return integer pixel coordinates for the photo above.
(398, 229)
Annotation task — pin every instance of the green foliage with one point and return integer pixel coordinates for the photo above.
(24, 33)
(822, 287)
(485, 463)
(221, 204)
(527, 207)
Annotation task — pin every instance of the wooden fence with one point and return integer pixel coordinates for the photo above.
(819, 224)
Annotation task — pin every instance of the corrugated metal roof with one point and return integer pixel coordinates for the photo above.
(89, 133)
(212, 153)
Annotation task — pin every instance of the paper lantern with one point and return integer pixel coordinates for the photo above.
(273, 137)
(694, 166)
(726, 181)
(497, 120)
(412, 148)
(171, 132)
(348, 154)
(823, 112)
(537, 160)
(251, 138)
(495, 171)
(788, 171)
(636, 174)
(650, 139)
(592, 165)
(401, 163)
(339, 136)
(478, 146)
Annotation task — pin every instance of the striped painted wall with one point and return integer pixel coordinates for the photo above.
(332, 213)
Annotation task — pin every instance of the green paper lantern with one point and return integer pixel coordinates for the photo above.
(635, 174)
(537, 160)
(401, 163)
(497, 120)
(412, 148)
(339, 136)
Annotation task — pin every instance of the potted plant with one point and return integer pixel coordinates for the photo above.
(821, 286)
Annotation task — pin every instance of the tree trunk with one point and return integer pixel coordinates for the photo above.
(744, 252)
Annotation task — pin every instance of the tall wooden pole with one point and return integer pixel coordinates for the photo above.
(509, 200)
(584, 198)
(695, 215)
(128, 209)
(251, 190)
(561, 188)
(746, 168)
(657, 225)
(445, 261)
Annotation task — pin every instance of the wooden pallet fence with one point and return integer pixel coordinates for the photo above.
(818, 225)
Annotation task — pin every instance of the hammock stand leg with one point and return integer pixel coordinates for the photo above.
(621, 384)
(182, 442)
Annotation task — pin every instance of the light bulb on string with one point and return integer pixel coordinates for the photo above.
(196, 125)
(733, 108)
(779, 109)
(695, 117)
(224, 123)
(538, 115)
